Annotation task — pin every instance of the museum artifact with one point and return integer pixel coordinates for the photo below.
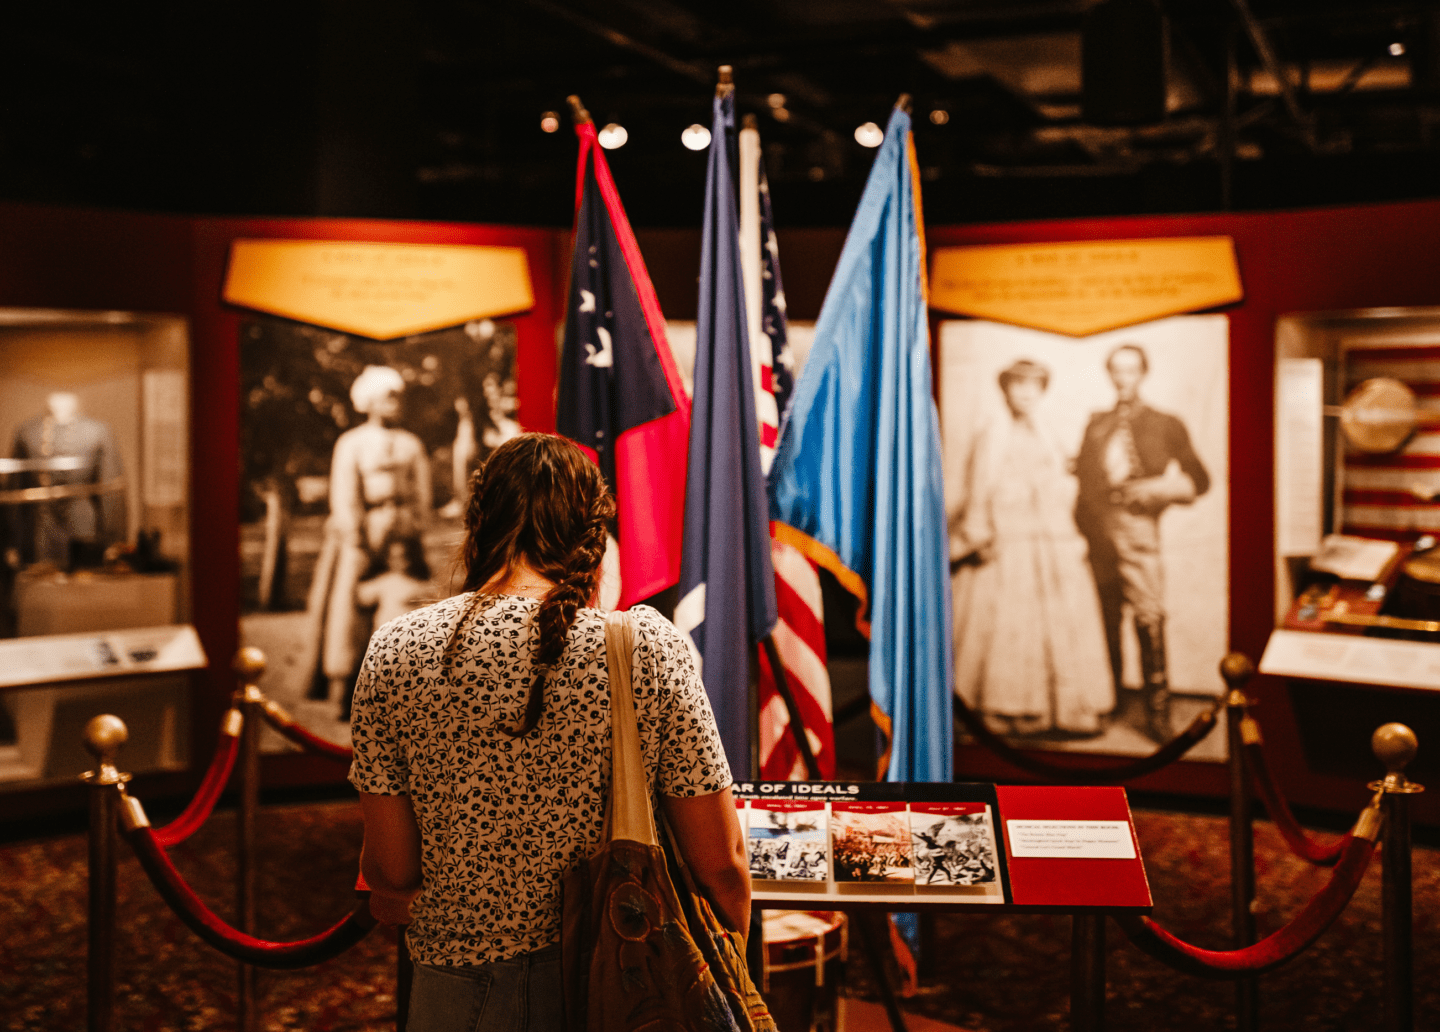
(72, 487)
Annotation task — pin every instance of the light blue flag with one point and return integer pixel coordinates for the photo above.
(858, 466)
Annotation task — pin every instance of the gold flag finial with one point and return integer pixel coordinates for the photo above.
(904, 103)
(577, 110)
(726, 85)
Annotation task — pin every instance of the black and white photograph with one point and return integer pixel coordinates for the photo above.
(1087, 502)
(788, 841)
(953, 843)
(356, 455)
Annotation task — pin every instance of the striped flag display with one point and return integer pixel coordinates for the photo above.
(1394, 495)
(800, 643)
(799, 633)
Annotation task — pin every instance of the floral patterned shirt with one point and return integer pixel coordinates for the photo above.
(501, 819)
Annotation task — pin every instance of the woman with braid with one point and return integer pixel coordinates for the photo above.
(481, 729)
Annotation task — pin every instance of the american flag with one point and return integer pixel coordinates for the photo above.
(1396, 495)
(799, 634)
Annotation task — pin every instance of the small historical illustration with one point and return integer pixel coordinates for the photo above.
(789, 841)
(871, 842)
(1087, 492)
(953, 843)
(356, 455)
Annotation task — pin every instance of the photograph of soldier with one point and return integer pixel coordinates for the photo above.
(1089, 529)
(355, 460)
(1134, 463)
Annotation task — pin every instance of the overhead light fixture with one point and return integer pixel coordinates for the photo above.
(1397, 49)
(776, 100)
(939, 116)
(549, 122)
(869, 135)
(613, 136)
(697, 137)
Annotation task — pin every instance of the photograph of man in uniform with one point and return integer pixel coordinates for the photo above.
(1134, 463)
(1102, 462)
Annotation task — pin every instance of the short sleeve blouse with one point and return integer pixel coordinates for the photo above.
(501, 819)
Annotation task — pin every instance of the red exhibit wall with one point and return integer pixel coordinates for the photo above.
(1375, 256)
(69, 258)
(1303, 261)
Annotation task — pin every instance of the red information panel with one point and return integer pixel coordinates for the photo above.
(1081, 821)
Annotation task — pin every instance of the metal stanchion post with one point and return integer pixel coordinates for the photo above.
(1087, 972)
(404, 979)
(1394, 745)
(104, 735)
(250, 666)
(1237, 669)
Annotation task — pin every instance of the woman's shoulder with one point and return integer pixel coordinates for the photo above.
(437, 617)
(653, 625)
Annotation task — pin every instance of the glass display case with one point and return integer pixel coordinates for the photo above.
(94, 526)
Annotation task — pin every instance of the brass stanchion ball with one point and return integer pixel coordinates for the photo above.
(1394, 745)
(1236, 669)
(250, 664)
(104, 735)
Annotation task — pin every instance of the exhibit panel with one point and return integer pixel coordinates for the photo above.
(1342, 260)
(94, 505)
(304, 319)
(1070, 601)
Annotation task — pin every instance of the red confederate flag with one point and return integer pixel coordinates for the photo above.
(620, 395)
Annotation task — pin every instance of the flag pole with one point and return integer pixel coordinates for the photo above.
(797, 723)
(726, 82)
(577, 110)
(904, 103)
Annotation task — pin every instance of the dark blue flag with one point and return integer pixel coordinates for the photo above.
(727, 585)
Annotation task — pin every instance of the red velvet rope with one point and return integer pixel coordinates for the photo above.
(1270, 952)
(332, 942)
(307, 739)
(1161, 757)
(200, 808)
(1300, 843)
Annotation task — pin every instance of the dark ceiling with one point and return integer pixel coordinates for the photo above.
(432, 108)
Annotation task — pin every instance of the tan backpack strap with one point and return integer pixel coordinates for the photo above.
(629, 815)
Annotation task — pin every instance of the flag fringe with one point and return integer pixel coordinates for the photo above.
(822, 556)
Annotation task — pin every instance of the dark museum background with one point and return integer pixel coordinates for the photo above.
(433, 109)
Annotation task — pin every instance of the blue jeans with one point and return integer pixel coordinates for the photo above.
(522, 994)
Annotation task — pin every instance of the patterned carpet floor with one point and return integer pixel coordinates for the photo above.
(990, 973)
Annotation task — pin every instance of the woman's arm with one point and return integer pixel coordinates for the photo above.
(707, 831)
(390, 857)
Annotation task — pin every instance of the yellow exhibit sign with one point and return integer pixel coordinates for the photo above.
(1088, 286)
(382, 291)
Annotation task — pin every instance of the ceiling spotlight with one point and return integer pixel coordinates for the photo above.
(781, 114)
(549, 122)
(939, 116)
(869, 135)
(697, 137)
(613, 136)
(1397, 49)
(776, 100)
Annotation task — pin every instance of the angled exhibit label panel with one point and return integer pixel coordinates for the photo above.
(377, 290)
(1088, 286)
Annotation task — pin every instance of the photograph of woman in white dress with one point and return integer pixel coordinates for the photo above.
(1030, 650)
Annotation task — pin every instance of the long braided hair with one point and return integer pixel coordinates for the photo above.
(537, 498)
